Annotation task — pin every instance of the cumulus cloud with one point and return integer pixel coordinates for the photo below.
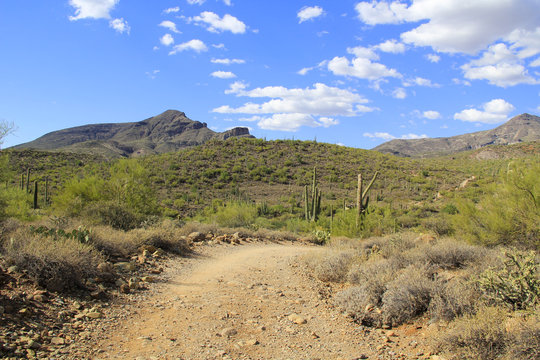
(216, 24)
(399, 93)
(223, 74)
(120, 25)
(500, 66)
(228, 61)
(493, 112)
(171, 10)
(93, 9)
(195, 2)
(387, 136)
(455, 25)
(379, 135)
(419, 81)
(434, 58)
(167, 40)
(195, 45)
(362, 68)
(291, 109)
(169, 25)
(431, 115)
(391, 46)
(309, 13)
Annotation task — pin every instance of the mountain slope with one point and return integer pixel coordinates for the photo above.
(524, 127)
(166, 132)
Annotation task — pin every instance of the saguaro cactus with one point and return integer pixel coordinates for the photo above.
(362, 200)
(35, 194)
(312, 204)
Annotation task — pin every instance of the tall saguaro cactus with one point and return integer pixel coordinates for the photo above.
(312, 204)
(362, 200)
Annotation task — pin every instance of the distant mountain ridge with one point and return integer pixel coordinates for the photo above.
(522, 128)
(166, 132)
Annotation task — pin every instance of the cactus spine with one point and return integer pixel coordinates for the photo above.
(362, 200)
(312, 204)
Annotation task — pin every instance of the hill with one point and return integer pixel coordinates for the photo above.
(522, 128)
(167, 132)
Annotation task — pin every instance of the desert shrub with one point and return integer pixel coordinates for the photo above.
(111, 214)
(333, 266)
(162, 237)
(453, 298)
(113, 242)
(359, 302)
(15, 203)
(78, 194)
(56, 264)
(524, 342)
(451, 254)
(407, 296)
(516, 284)
(320, 236)
(440, 225)
(480, 336)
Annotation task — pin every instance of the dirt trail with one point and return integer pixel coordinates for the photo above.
(244, 302)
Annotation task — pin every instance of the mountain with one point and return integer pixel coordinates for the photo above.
(524, 127)
(166, 132)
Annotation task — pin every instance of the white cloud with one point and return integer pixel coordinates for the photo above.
(431, 114)
(535, 63)
(375, 13)
(434, 58)
(251, 119)
(494, 112)
(228, 61)
(304, 71)
(167, 40)
(195, 45)
(227, 2)
(152, 74)
(387, 136)
(216, 24)
(419, 81)
(309, 13)
(327, 122)
(456, 25)
(171, 10)
(363, 52)
(500, 66)
(379, 135)
(291, 109)
(413, 136)
(93, 9)
(218, 46)
(362, 68)
(120, 25)
(169, 25)
(223, 74)
(391, 46)
(399, 93)
(198, 2)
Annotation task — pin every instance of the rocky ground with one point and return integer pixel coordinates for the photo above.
(226, 301)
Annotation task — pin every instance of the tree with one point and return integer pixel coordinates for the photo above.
(6, 128)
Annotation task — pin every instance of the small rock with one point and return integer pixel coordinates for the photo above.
(32, 344)
(133, 283)
(391, 333)
(228, 332)
(125, 266)
(94, 315)
(196, 236)
(13, 269)
(124, 288)
(148, 279)
(252, 342)
(57, 341)
(297, 319)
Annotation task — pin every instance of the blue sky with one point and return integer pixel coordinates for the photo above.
(356, 73)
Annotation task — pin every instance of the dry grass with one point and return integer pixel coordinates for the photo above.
(481, 336)
(56, 264)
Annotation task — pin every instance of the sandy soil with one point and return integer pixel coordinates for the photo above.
(243, 302)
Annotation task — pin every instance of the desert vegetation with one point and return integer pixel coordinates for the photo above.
(448, 240)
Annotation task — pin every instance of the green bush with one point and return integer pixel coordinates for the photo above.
(508, 213)
(236, 214)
